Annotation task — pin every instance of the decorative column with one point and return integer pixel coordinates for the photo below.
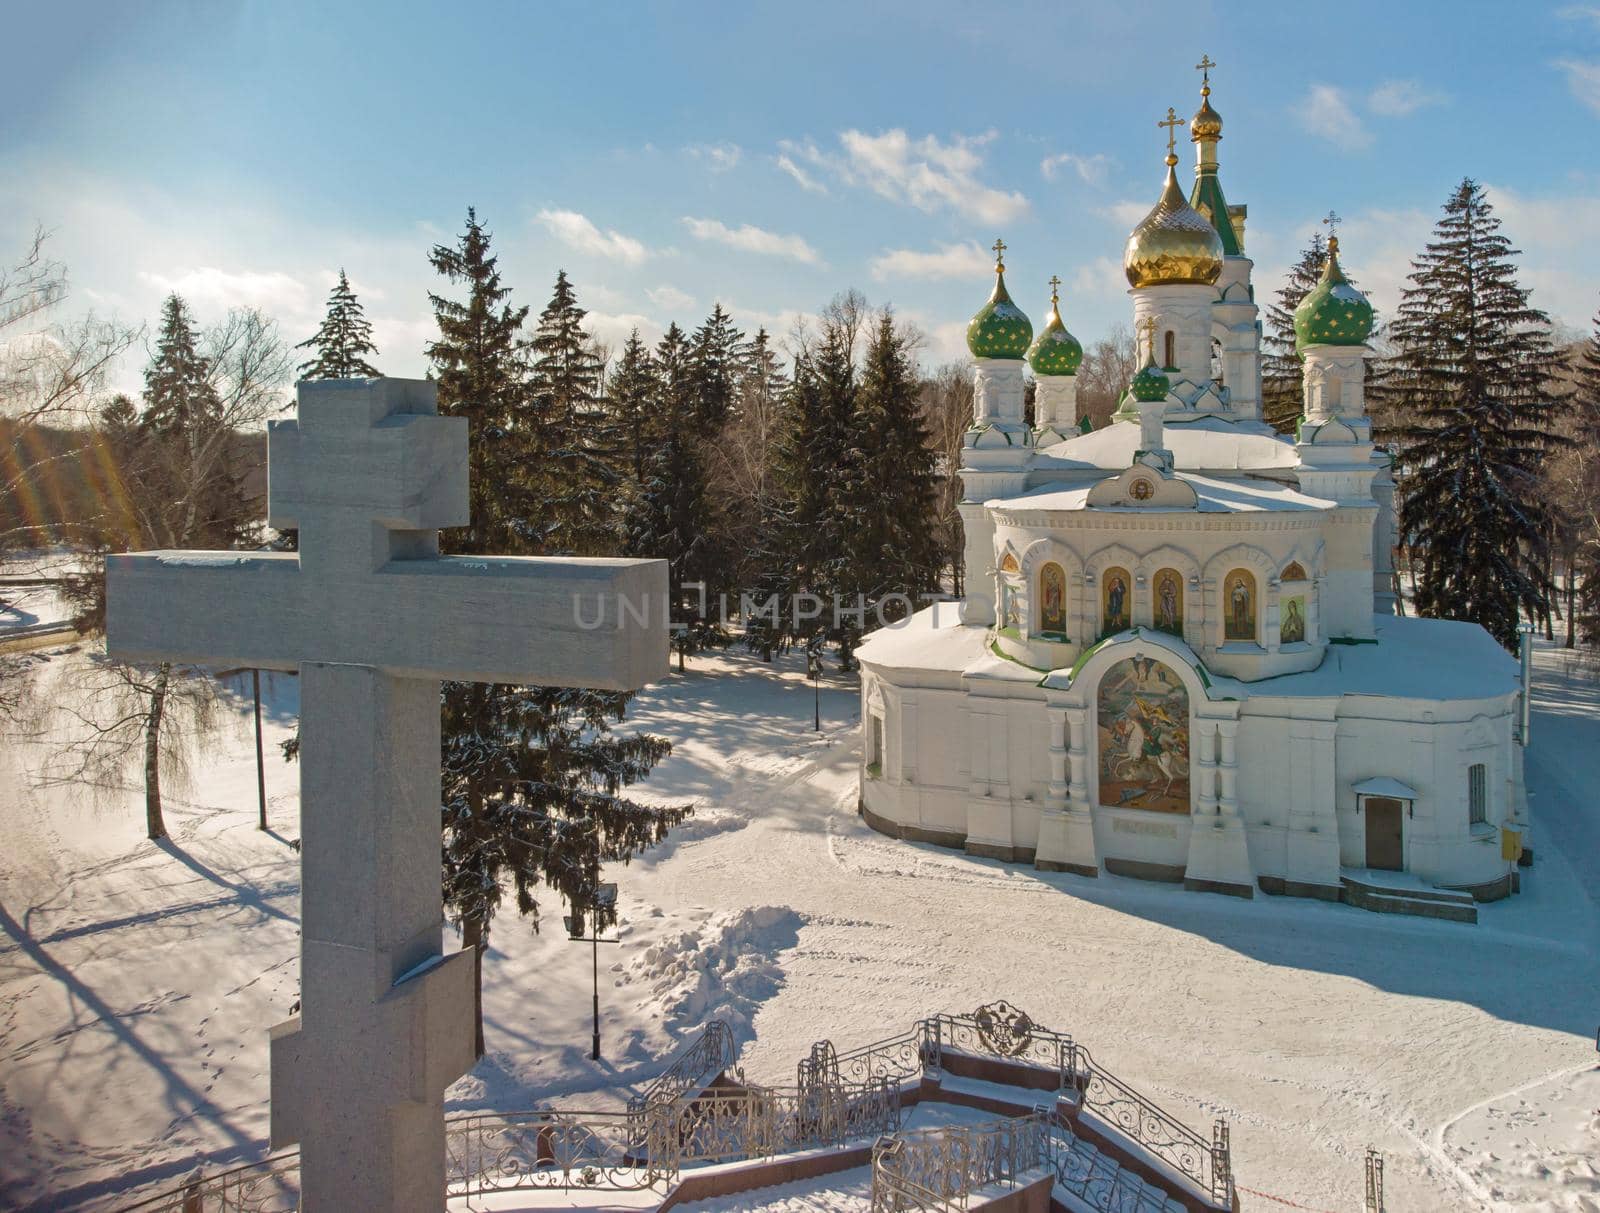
(1219, 846)
(1066, 834)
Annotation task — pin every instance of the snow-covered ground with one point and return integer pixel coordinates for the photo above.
(137, 981)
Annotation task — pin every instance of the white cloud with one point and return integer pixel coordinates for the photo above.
(1102, 278)
(926, 173)
(1583, 80)
(612, 329)
(1325, 112)
(719, 157)
(1581, 12)
(802, 178)
(947, 261)
(1400, 98)
(752, 239)
(1091, 169)
(670, 298)
(1127, 213)
(211, 291)
(576, 231)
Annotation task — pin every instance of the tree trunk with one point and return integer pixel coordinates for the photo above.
(155, 827)
(1572, 598)
(472, 936)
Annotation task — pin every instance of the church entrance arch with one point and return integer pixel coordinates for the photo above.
(1385, 837)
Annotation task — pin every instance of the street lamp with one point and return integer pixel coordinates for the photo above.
(604, 898)
(814, 669)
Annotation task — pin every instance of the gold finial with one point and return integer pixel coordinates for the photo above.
(999, 247)
(1204, 67)
(1172, 122)
(1055, 290)
(1149, 327)
(1333, 246)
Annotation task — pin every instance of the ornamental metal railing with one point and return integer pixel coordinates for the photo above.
(941, 1168)
(758, 1122)
(999, 1030)
(711, 1054)
(547, 1148)
(1097, 1180)
(269, 1186)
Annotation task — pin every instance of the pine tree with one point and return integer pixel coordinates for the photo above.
(1471, 371)
(891, 547)
(1282, 394)
(574, 510)
(630, 390)
(714, 358)
(672, 517)
(478, 363)
(531, 776)
(178, 395)
(1586, 420)
(342, 342)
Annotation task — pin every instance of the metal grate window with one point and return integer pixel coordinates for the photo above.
(1477, 794)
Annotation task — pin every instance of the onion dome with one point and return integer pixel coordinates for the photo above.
(1055, 351)
(1150, 384)
(1333, 312)
(1206, 125)
(1000, 329)
(1174, 243)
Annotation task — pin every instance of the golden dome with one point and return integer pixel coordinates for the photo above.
(1174, 243)
(1206, 123)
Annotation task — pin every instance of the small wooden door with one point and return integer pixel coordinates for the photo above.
(1385, 846)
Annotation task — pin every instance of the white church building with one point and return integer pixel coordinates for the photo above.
(1178, 657)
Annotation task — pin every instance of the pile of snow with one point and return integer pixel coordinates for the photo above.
(722, 967)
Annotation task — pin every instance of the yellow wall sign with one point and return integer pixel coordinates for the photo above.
(1510, 844)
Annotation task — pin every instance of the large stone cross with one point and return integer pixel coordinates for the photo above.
(373, 617)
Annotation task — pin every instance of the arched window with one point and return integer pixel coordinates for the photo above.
(1166, 608)
(1240, 605)
(1116, 600)
(1170, 349)
(1216, 362)
(1053, 600)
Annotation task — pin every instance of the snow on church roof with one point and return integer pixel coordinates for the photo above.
(1207, 443)
(1244, 496)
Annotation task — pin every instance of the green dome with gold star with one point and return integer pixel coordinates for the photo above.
(1000, 329)
(1055, 351)
(1333, 312)
(1150, 384)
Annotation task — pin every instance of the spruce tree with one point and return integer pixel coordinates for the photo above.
(178, 394)
(1282, 394)
(714, 358)
(672, 517)
(1471, 373)
(630, 391)
(340, 345)
(479, 366)
(532, 777)
(574, 508)
(1586, 420)
(891, 547)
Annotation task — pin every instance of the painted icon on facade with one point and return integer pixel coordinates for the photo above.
(1052, 599)
(1144, 737)
(1168, 612)
(1117, 600)
(1239, 606)
(1292, 623)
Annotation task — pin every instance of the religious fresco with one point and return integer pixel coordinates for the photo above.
(1011, 604)
(1144, 737)
(1167, 608)
(1052, 599)
(1116, 598)
(1239, 606)
(1008, 563)
(1293, 571)
(1292, 620)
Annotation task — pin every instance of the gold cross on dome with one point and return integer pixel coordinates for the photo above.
(1331, 221)
(1055, 289)
(1172, 122)
(1149, 327)
(1204, 66)
(999, 247)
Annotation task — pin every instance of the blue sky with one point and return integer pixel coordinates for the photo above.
(766, 155)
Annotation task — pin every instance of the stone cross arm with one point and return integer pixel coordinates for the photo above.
(555, 622)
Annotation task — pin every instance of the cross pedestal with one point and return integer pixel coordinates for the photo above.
(373, 617)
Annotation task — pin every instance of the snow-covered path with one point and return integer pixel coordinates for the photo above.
(136, 983)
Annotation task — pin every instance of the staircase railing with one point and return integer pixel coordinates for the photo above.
(1098, 1180)
(1206, 1163)
(269, 1186)
(711, 1054)
(758, 1122)
(941, 1168)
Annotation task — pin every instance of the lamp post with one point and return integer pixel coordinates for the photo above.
(604, 897)
(261, 775)
(814, 668)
